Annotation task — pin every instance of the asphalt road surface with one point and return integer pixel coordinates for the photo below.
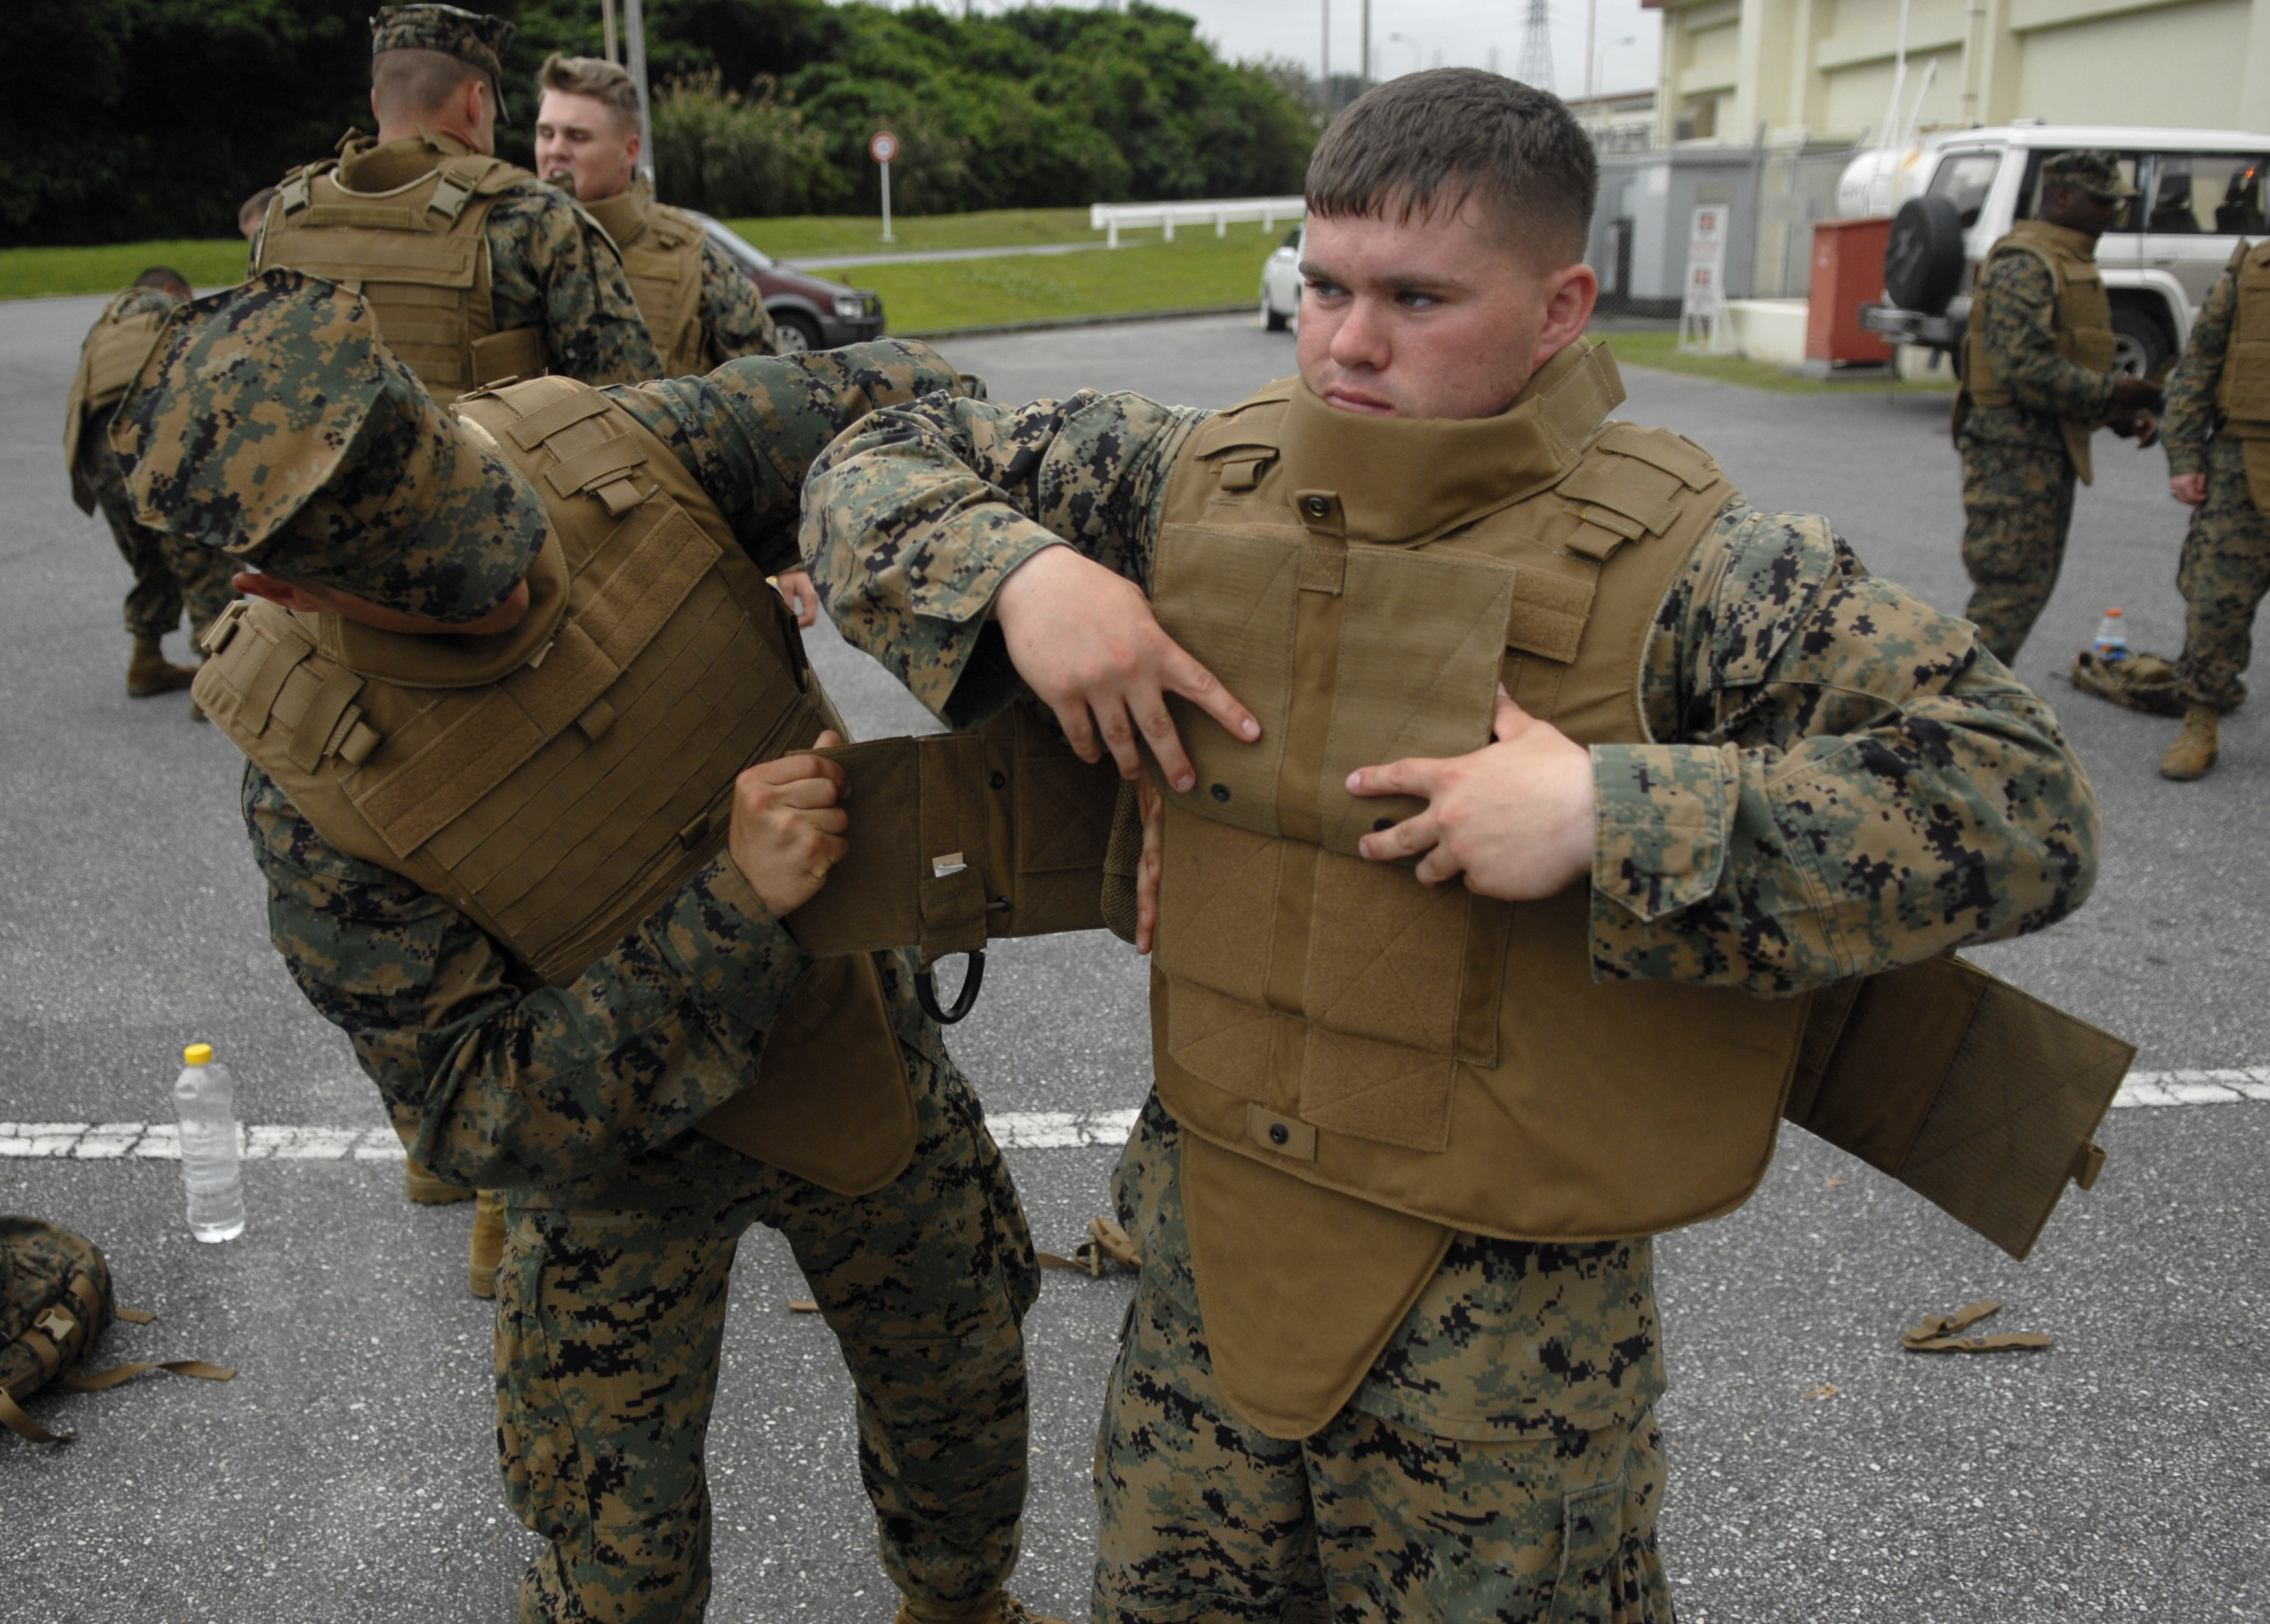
(1817, 1472)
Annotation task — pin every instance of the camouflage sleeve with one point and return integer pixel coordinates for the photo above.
(551, 266)
(2019, 294)
(733, 319)
(2190, 422)
(913, 519)
(750, 430)
(1851, 781)
(511, 1082)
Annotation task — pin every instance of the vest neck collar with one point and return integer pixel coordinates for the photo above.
(374, 165)
(451, 662)
(2078, 244)
(1403, 479)
(623, 215)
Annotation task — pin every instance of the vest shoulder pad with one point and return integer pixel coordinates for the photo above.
(2258, 252)
(1673, 453)
(1257, 420)
(672, 229)
(485, 176)
(1633, 482)
(2018, 245)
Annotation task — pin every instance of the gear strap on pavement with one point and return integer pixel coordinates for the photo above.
(1106, 1244)
(1936, 1334)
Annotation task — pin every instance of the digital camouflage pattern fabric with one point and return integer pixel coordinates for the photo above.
(467, 35)
(170, 574)
(2225, 568)
(2017, 476)
(733, 319)
(271, 424)
(1502, 1453)
(1846, 780)
(574, 1101)
(609, 1326)
(550, 265)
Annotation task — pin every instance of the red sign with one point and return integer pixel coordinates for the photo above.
(884, 147)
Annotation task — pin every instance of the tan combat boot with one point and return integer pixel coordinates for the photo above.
(2194, 749)
(488, 1244)
(427, 1191)
(150, 673)
(998, 1608)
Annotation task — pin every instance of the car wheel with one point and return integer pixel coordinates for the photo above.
(1271, 317)
(1923, 261)
(793, 333)
(2139, 347)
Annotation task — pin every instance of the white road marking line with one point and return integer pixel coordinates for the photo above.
(112, 1141)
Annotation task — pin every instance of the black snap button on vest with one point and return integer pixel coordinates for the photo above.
(1316, 506)
(1277, 1134)
(1380, 825)
(1220, 792)
(999, 781)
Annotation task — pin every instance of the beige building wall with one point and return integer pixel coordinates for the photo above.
(1820, 72)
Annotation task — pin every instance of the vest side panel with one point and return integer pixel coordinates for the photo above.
(2243, 392)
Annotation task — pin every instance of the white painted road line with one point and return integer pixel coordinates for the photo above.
(111, 1141)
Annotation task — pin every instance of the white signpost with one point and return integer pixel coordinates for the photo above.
(882, 148)
(1702, 307)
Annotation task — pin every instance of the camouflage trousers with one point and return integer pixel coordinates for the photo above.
(170, 572)
(2224, 571)
(2017, 506)
(1372, 1519)
(608, 1329)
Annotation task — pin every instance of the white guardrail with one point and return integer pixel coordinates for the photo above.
(1219, 213)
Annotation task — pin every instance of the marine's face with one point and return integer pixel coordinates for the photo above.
(1431, 317)
(582, 143)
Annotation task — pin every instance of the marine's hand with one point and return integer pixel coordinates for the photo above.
(1085, 642)
(802, 595)
(2189, 489)
(1147, 868)
(786, 829)
(2146, 428)
(1515, 817)
(2129, 394)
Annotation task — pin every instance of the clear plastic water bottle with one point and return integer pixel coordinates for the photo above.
(2113, 637)
(205, 1098)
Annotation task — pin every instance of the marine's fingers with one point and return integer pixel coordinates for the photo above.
(1418, 776)
(1181, 673)
(1437, 866)
(1118, 729)
(1407, 839)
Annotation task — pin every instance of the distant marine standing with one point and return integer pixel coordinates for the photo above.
(169, 574)
(477, 271)
(2219, 463)
(700, 308)
(2038, 383)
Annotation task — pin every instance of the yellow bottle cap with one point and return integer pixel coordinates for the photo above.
(198, 1054)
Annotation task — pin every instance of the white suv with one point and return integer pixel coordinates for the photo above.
(2199, 192)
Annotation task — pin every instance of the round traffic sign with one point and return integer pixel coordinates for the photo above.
(884, 147)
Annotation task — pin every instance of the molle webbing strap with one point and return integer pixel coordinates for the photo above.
(1980, 1098)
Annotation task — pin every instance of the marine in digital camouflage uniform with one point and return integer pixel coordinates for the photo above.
(576, 1099)
(169, 574)
(2018, 474)
(550, 265)
(1843, 780)
(2225, 567)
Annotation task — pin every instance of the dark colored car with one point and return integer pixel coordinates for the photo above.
(808, 312)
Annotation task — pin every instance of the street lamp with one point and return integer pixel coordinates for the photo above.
(1413, 44)
(1598, 66)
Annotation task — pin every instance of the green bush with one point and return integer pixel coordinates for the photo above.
(730, 154)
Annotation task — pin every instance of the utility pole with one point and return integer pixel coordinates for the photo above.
(1591, 26)
(1325, 62)
(1537, 46)
(1364, 83)
(607, 22)
(634, 37)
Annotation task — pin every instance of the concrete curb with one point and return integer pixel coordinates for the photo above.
(1056, 324)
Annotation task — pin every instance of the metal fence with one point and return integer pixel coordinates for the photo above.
(1218, 212)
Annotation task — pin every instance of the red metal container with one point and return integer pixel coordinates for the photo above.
(1848, 271)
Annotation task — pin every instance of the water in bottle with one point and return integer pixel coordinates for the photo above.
(2113, 637)
(204, 1097)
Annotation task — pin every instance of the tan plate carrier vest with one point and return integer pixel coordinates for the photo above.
(108, 362)
(557, 782)
(1364, 1065)
(420, 253)
(661, 256)
(2083, 316)
(2243, 393)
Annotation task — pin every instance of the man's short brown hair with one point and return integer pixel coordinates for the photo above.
(409, 83)
(597, 77)
(1426, 143)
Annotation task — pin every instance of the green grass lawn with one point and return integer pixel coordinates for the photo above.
(1196, 269)
(799, 236)
(29, 273)
(1661, 350)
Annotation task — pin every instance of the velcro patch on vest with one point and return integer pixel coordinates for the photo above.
(1676, 455)
(1549, 614)
(408, 256)
(1639, 491)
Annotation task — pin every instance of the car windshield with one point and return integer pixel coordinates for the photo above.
(740, 248)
